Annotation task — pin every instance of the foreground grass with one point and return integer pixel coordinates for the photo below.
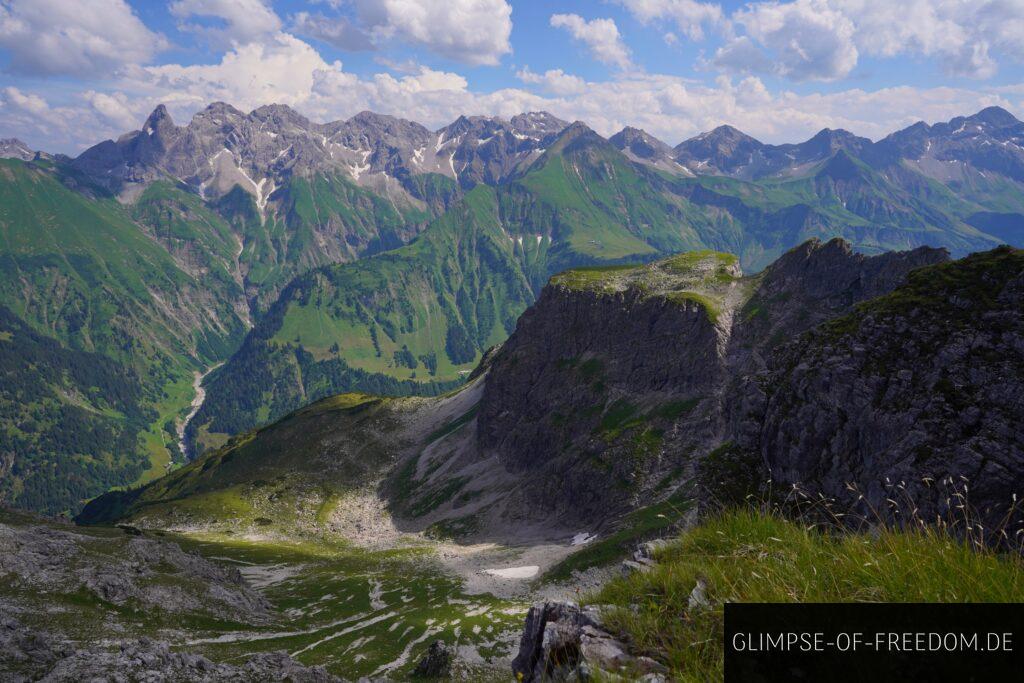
(748, 556)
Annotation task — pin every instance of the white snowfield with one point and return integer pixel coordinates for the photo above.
(526, 572)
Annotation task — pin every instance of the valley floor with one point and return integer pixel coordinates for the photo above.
(368, 604)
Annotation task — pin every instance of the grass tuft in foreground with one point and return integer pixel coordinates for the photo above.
(752, 556)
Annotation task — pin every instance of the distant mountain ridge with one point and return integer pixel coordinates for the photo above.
(384, 152)
(222, 146)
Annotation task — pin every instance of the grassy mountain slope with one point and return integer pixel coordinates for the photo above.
(306, 223)
(314, 221)
(72, 421)
(75, 266)
(744, 556)
(285, 462)
(840, 197)
(414, 320)
(80, 270)
(164, 284)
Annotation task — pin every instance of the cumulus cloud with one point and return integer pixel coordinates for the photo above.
(554, 81)
(56, 37)
(336, 31)
(689, 16)
(824, 39)
(470, 31)
(960, 34)
(244, 20)
(601, 36)
(283, 68)
(801, 40)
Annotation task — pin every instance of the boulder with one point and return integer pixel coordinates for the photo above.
(436, 663)
(564, 642)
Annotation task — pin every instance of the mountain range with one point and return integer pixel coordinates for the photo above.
(374, 254)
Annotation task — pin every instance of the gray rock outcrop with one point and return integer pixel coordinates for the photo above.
(30, 655)
(910, 408)
(564, 642)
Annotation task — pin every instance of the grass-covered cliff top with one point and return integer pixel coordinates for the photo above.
(704, 277)
(957, 289)
(748, 556)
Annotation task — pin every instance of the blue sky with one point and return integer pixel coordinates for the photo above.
(73, 72)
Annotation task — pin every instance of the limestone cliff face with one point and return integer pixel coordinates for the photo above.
(619, 385)
(914, 397)
(596, 393)
(804, 288)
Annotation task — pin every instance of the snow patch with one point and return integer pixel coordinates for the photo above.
(526, 572)
(582, 538)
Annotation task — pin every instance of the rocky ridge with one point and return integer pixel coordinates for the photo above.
(908, 407)
(222, 146)
(649, 363)
(31, 655)
(13, 148)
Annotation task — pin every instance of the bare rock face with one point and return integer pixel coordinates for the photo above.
(913, 401)
(804, 288)
(26, 654)
(486, 150)
(48, 559)
(437, 663)
(580, 399)
(222, 147)
(618, 381)
(13, 148)
(564, 642)
(642, 147)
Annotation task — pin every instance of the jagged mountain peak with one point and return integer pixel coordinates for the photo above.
(640, 146)
(160, 116)
(280, 114)
(13, 148)
(728, 132)
(577, 129)
(834, 136)
(996, 116)
(723, 150)
(367, 117)
(639, 142)
(537, 123)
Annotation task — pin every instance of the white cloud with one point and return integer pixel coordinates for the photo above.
(115, 108)
(60, 37)
(689, 16)
(279, 69)
(336, 31)
(601, 36)
(801, 40)
(470, 31)
(554, 81)
(285, 69)
(961, 34)
(823, 39)
(245, 20)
